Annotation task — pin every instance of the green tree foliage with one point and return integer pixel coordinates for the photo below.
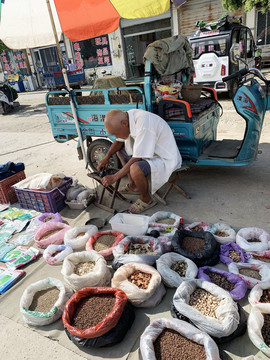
(233, 5)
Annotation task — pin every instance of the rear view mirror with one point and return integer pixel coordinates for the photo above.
(235, 53)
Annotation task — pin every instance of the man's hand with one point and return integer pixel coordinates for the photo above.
(108, 180)
(103, 164)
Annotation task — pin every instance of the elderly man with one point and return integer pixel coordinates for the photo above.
(146, 147)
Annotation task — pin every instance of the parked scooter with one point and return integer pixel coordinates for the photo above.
(7, 102)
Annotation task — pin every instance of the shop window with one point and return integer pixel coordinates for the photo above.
(263, 28)
(93, 52)
(13, 62)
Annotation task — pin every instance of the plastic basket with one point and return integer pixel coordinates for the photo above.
(44, 201)
(7, 192)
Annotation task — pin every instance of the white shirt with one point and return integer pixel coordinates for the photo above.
(152, 139)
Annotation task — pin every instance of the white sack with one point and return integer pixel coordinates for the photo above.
(249, 233)
(251, 282)
(164, 215)
(185, 329)
(59, 258)
(254, 326)
(172, 278)
(99, 276)
(78, 242)
(227, 314)
(255, 295)
(227, 230)
(201, 224)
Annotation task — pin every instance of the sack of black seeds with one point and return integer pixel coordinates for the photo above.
(252, 274)
(179, 341)
(236, 287)
(43, 302)
(232, 252)
(200, 247)
(253, 239)
(175, 268)
(96, 317)
(209, 307)
(141, 283)
(259, 330)
(142, 249)
(259, 297)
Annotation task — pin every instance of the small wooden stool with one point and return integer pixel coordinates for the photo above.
(112, 189)
(172, 181)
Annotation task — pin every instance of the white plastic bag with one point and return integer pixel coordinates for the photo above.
(149, 297)
(259, 254)
(250, 233)
(149, 259)
(54, 233)
(58, 258)
(185, 329)
(165, 238)
(172, 278)
(203, 225)
(250, 281)
(40, 318)
(227, 314)
(78, 242)
(226, 229)
(255, 295)
(99, 276)
(255, 324)
(178, 220)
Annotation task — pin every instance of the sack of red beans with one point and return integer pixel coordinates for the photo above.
(176, 339)
(198, 246)
(97, 316)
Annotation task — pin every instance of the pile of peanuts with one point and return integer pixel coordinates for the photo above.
(204, 302)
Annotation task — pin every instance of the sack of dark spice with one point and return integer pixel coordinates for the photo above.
(252, 274)
(232, 252)
(165, 218)
(104, 241)
(253, 239)
(98, 275)
(43, 302)
(259, 297)
(223, 233)
(176, 339)
(142, 284)
(98, 316)
(236, 287)
(259, 330)
(51, 233)
(200, 247)
(169, 267)
(142, 249)
(208, 306)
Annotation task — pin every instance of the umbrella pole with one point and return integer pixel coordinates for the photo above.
(64, 71)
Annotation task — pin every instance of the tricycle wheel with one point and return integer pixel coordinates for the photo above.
(96, 151)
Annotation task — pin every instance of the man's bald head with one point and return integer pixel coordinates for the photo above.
(116, 123)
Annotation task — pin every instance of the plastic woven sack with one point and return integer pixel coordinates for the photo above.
(223, 228)
(106, 324)
(225, 252)
(99, 276)
(78, 236)
(165, 238)
(246, 234)
(200, 224)
(158, 216)
(208, 256)
(250, 281)
(172, 278)
(240, 287)
(149, 259)
(51, 233)
(61, 250)
(49, 217)
(227, 313)
(43, 318)
(107, 253)
(139, 297)
(255, 324)
(153, 330)
(260, 257)
(255, 296)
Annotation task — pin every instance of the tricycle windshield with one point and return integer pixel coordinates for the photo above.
(217, 44)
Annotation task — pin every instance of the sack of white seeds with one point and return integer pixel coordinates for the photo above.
(218, 315)
(252, 274)
(259, 297)
(142, 284)
(253, 239)
(188, 331)
(85, 269)
(172, 278)
(41, 318)
(256, 321)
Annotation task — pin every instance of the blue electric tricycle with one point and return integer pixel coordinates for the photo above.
(194, 125)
